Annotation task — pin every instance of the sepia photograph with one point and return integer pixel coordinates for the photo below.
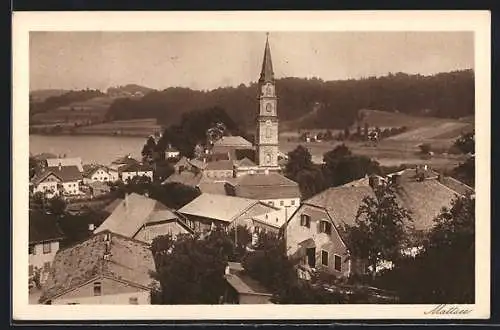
(247, 164)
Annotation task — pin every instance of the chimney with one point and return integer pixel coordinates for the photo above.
(91, 227)
(227, 271)
(60, 166)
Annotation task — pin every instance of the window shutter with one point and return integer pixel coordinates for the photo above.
(319, 226)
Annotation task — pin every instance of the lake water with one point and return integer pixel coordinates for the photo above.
(100, 149)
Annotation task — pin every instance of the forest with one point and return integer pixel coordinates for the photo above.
(314, 103)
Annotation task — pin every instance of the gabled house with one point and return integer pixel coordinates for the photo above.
(268, 187)
(107, 268)
(130, 171)
(44, 239)
(208, 210)
(57, 180)
(143, 219)
(314, 234)
(99, 173)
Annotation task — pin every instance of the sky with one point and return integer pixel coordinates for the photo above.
(208, 60)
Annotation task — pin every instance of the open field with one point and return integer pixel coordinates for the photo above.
(138, 127)
(77, 112)
(387, 153)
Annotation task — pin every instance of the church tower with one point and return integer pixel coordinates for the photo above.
(266, 137)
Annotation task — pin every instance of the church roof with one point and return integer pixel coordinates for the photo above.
(232, 141)
(267, 73)
(265, 186)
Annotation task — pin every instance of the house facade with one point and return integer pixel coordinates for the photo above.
(242, 289)
(58, 180)
(209, 210)
(107, 268)
(44, 239)
(143, 219)
(314, 234)
(100, 174)
(268, 187)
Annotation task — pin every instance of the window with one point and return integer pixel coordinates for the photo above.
(97, 289)
(47, 248)
(325, 227)
(282, 203)
(31, 249)
(271, 203)
(324, 258)
(293, 202)
(305, 220)
(268, 132)
(133, 301)
(338, 262)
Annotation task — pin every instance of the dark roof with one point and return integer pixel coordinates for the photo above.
(64, 173)
(220, 165)
(423, 199)
(130, 261)
(186, 177)
(341, 203)
(125, 160)
(267, 73)
(135, 167)
(43, 228)
(456, 185)
(265, 186)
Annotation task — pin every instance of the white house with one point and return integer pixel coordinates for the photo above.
(58, 180)
(100, 173)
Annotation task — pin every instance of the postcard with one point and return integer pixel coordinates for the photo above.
(311, 165)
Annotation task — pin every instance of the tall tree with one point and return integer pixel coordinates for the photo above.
(298, 159)
(444, 272)
(341, 166)
(191, 270)
(379, 230)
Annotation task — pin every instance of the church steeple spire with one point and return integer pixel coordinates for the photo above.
(267, 74)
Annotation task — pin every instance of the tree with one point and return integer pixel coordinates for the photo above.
(301, 169)
(379, 230)
(466, 143)
(444, 272)
(148, 150)
(57, 205)
(341, 166)
(298, 160)
(173, 194)
(191, 270)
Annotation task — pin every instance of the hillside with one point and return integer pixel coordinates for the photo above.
(335, 103)
(41, 95)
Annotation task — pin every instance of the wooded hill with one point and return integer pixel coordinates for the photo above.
(305, 103)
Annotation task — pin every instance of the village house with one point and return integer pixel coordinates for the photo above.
(107, 268)
(171, 152)
(269, 187)
(208, 210)
(227, 144)
(242, 289)
(44, 239)
(143, 218)
(57, 180)
(314, 234)
(130, 171)
(93, 173)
